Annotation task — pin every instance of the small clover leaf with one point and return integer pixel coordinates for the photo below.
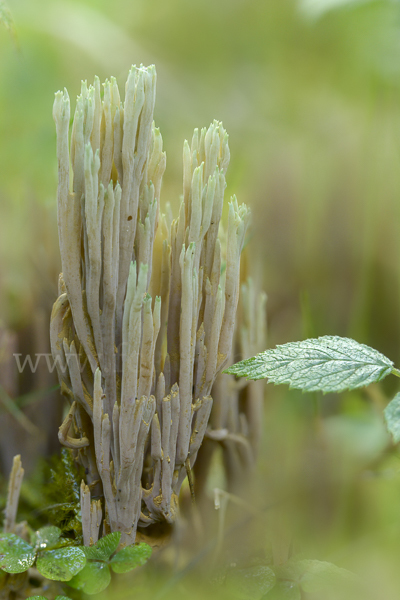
(130, 557)
(104, 548)
(252, 583)
(320, 577)
(284, 590)
(93, 579)
(292, 570)
(16, 556)
(61, 564)
(46, 537)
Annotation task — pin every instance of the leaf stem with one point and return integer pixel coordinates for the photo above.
(395, 371)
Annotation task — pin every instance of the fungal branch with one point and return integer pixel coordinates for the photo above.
(14, 488)
(138, 339)
(236, 420)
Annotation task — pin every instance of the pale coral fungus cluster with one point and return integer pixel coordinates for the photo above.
(139, 339)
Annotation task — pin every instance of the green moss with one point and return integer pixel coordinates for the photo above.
(62, 495)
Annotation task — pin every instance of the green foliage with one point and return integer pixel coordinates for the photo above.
(130, 557)
(319, 577)
(93, 579)
(52, 496)
(104, 548)
(63, 495)
(87, 569)
(326, 364)
(96, 575)
(392, 417)
(296, 579)
(284, 590)
(61, 564)
(16, 556)
(46, 537)
(315, 579)
(252, 583)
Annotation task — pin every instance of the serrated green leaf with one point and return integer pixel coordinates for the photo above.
(104, 548)
(61, 564)
(63, 598)
(46, 536)
(130, 557)
(252, 583)
(326, 364)
(93, 579)
(284, 590)
(16, 556)
(392, 418)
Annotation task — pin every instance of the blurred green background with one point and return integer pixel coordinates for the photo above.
(309, 91)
